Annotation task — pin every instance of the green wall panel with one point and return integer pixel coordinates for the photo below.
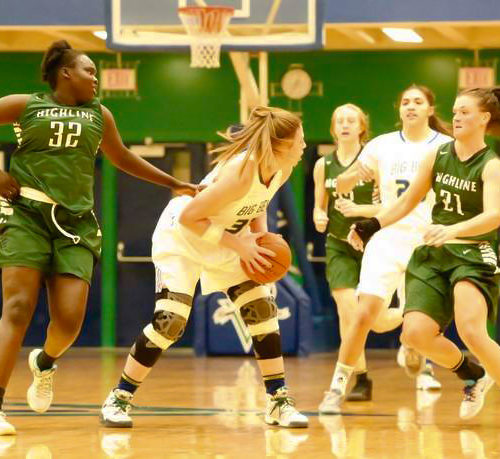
(177, 103)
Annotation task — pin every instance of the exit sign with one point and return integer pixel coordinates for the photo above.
(116, 79)
(476, 77)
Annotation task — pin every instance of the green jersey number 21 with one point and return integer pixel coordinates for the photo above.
(66, 135)
(448, 202)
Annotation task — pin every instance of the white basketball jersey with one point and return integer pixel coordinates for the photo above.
(181, 257)
(171, 237)
(236, 216)
(396, 160)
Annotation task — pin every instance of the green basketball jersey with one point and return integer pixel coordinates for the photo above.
(338, 225)
(459, 187)
(57, 147)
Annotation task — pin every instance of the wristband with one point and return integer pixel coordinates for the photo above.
(365, 229)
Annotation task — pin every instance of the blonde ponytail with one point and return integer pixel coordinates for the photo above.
(267, 130)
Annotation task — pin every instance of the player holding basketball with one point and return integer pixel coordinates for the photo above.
(335, 213)
(393, 159)
(455, 274)
(205, 238)
(48, 229)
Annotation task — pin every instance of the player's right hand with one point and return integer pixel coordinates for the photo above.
(251, 253)
(320, 219)
(362, 231)
(9, 188)
(355, 240)
(188, 188)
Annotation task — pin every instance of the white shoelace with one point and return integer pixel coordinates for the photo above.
(470, 393)
(44, 385)
(120, 406)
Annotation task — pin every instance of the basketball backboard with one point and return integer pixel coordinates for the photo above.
(257, 25)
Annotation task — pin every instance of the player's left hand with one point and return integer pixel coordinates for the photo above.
(437, 235)
(9, 187)
(347, 208)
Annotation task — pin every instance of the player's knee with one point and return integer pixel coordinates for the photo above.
(169, 322)
(412, 336)
(170, 318)
(68, 328)
(379, 326)
(363, 319)
(260, 313)
(261, 318)
(17, 311)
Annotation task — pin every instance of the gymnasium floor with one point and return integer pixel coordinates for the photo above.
(211, 407)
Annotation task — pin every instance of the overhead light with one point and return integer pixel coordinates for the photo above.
(403, 35)
(102, 34)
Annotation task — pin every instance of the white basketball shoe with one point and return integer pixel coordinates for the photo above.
(280, 410)
(474, 395)
(40, 392)
(411, 361)
(426, 379)
(331, 402)
(116, 408)
(6, 428)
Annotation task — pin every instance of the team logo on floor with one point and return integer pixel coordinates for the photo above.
(228, 312)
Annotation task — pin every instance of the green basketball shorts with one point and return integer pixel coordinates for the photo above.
(433, 272)
(29, 237)
(343, 264)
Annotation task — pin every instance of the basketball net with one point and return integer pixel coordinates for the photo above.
(206, 25)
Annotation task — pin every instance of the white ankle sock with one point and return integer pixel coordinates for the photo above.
(341, 377)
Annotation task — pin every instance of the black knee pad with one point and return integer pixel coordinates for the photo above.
(169, 325)
(145, 351)
(238, 290)
(258, 311)
(170, 318)
(267, 346)
(166, 294)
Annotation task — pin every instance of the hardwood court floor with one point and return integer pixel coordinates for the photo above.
(211, 407)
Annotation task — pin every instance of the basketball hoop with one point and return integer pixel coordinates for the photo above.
(206, 25)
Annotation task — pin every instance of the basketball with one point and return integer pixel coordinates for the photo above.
(280, 263)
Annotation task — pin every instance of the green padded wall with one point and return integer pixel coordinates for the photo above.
(177, 103)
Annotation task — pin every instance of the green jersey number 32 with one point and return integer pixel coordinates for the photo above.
(66, 135)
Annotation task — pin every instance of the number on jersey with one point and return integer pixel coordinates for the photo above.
(349, 195)
(447, 202)
(67, 135)
(238, 225)
(402, 186)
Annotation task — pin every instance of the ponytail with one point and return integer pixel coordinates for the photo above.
(60, 54)
(268, 129)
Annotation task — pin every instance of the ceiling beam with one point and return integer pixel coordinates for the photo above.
(84, 41)
(452, 33)
(357, 35)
